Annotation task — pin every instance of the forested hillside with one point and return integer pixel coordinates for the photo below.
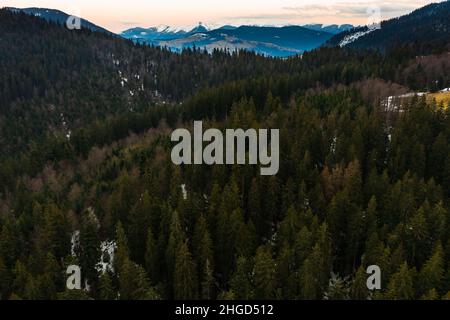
(56, 80)
(427, 28)
(358, 184)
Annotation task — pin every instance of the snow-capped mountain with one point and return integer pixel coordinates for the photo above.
(280, 41)
(162, 33)
(333, 28)
(272, 41)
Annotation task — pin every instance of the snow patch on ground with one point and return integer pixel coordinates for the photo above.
(393, 103)
(64, 125)
(184, 191)
(353, 37)
(107, 258)
(333, 145)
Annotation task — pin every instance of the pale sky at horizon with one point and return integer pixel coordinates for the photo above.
(120, 15)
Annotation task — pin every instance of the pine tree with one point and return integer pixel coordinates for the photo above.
(358, 290)
(417, 232)
(432, 272)
(286, 269)
(90, 247)
(52, 279)
(185, 278)
(106, 289)
(121, 254)
(132, 284)
(21, 278)
(151, 256)
(140, 222)
(314, 274)
(208, 282)
(302, 245)
(57, 231)
(143, 289)
(371, 216)
(401, 286)
(254, 201)
(241, 282)
(32, 291)
(202, 245)
(176, 238)
(265, 278)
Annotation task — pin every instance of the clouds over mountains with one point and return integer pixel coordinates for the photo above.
(333, 11)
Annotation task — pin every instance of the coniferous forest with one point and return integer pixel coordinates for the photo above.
(86, 176)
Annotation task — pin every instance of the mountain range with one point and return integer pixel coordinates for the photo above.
(429, 24)
(267, 40)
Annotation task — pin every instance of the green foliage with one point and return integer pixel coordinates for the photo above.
(185, 277)
(357, 186)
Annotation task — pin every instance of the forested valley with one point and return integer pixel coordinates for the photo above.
(86, 175)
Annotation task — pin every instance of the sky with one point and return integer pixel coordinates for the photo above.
(120, 15)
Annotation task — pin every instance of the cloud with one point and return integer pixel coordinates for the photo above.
(282, 16)
(358, 9)
(129, 23)
(321, 10)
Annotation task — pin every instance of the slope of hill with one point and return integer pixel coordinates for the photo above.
(426, 27)
(75, 77)
(354, 189)
(358, 185)
(58, 17)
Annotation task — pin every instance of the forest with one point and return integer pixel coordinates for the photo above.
(87, 179)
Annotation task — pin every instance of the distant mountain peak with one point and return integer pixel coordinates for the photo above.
(330, 28)
(227, 27)
(200, 28)
(267, 40)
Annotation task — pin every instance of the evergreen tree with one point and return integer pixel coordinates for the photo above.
(241, 285)
(265, 279)
(89, 247)
(401, 285)
(358, 290)
(185, 278)
(151, 256)
(432, 273)
(208, 282)
(106, 289)
(121, 255)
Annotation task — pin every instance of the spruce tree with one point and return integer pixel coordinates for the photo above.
(185, 277)
(265, 278)
(106, 289)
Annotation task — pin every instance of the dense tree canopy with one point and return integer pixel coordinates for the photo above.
(357, 186)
